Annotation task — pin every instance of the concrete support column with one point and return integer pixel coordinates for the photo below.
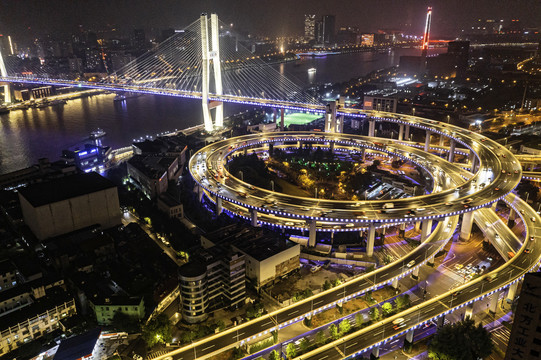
(218, 206)
(441, 321)
(401, 132)
(512, 291)
(426, 229)
(530, 168)
(494, 205)
(332, 146)
(452, 151)
(200, 193)
(402, 230)
(430, 261)
(282, 115)
(427, 140)
(415, 273)
(395, 283)
(469, 311)
(371, 128)
(417, 225)
(370, 239)
(512, 217)
(274, 115)
(407, 133)
(442, 140)
(409, 336)
(253, 216)
(363, 153)
(312, 233)
(375, 353)
(465, 229)
(494, 302)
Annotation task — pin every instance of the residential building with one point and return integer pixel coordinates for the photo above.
(69, 203)
(380, 103)
(213, 279)
(105, 308)
(151, 174)
(170, 206)
(33, 321)
(268, 256)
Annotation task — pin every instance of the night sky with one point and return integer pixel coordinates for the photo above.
(27, 18)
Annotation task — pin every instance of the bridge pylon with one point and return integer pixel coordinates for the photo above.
(209, 56)
(4, 73)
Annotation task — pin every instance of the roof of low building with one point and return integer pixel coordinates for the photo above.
(79, 346)
(65, 188)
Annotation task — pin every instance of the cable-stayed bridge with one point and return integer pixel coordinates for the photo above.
(199, 62)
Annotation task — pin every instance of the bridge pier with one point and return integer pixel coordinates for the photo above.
(375, 353)
(7, 94)
(430, 261)
(200, 193)
(441, 321)
(494, 302)
(407, 132)
(452, 146)
(402, 230)
(4, 73)
(426, 229)
(512, 217)
(511, 292)
(427, 140)
(417, 225)
(219, 207)
(442, 140)
(370, 239)
(312, 233)
(415, 273)
(401, 132)
(253, 217)
(465, 229)
(274, 115)
(469, 311)
(409, 336)
(371, 128)
(282, 115)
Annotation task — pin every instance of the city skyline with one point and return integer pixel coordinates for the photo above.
(27, 20)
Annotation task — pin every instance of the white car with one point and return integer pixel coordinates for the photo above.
(411, 263)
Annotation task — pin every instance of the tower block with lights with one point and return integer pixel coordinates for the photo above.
(4, 73)
(211, 57)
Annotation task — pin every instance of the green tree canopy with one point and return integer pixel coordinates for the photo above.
(291, 351)
(387, 308)
(158, 330)
(320, 338)
(333, 331)
(344, 326)
(460, 341)
(274, 355)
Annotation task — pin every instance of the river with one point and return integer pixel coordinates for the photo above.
(27, 135)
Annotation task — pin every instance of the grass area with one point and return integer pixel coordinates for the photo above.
(300, 118)
(290, 189)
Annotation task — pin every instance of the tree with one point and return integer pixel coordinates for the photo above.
(402, 301)
(304, 344)
(291, 351)
(359, 319)
(158, 330)
(333, 331)
(274, 355)
(461, 341)
(320, 338)
(387, 308)
(327, 285)
(344, 326)
(374, 314)
(124, 322)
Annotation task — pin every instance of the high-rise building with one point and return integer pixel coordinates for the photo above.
(460, 51)
(318, 31)
(139, 39)
(328, 29)
(525, 338)
(426, 36)
(309, 27)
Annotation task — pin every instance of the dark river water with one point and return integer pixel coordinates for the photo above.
(26, 135)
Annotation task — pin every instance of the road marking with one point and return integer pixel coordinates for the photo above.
(350, 345)
(340, 352)
(211, 346)
(324, 357)
(444, 304)
(267, 323)
(319, 302)
(291, 313)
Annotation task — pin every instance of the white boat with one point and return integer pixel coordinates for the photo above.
(97, 134)
(312, 70)
(119, 97)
